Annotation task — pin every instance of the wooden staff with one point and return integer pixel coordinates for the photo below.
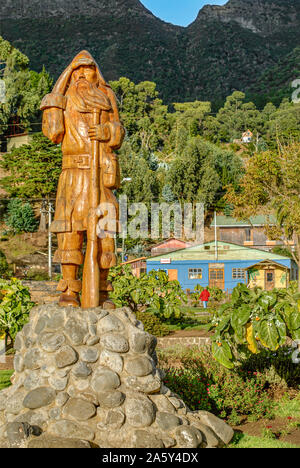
(91, 270)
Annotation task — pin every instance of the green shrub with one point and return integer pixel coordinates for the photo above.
(37, 275)
(277, 366)
(4, 268)
(253, 320)
(15, 305)
(20, 217)
(204, 384)
(154, 291)
(152, 324)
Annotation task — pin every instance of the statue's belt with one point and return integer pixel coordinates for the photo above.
(76, 161)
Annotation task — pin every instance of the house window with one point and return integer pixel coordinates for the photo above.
(248, 234)
(195, 273)
(238, 273)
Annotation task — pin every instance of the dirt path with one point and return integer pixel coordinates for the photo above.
(189, 333)
(6, 362)
(278, 426)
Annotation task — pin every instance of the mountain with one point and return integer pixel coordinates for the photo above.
(226, 48)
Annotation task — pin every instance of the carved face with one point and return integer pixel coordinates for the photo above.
(87, 72)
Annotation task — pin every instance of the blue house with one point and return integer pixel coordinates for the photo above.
(225, 265)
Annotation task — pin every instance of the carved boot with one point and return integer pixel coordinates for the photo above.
(70, 289)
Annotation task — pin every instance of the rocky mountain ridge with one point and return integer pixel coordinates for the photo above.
(226, 48)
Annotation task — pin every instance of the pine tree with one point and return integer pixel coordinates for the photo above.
(20, 216)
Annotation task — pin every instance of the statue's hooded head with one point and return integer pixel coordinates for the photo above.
(85, 65)
(87, 86)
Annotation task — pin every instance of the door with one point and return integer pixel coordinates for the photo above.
(216, 278)
(269, 280)
(173, 275)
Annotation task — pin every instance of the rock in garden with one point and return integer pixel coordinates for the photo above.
(139, 366)
(71, 430)
(66, 356)
(75, 332)
(81, 370)
(144, 439)
(110, 399)
(72, 390)
(79, 409)
(33, 359)
(89, 354)
(51, 342)
(111, 360)
(219, 427)
(57, 443)
(39, 397)
(139, 412)
(110, 323)
(115, 342)
(188, 437)
(105, 380)
(167, 421)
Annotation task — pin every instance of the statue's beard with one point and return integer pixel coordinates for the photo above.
(87, 97)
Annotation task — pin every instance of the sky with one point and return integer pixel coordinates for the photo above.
(180, 12)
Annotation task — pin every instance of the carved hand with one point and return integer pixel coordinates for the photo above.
(99, 132)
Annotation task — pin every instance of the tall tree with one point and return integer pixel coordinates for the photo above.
(24, 88)
(271, 185)
(33, 170)
(201, 172)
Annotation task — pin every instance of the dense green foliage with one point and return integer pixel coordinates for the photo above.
(20, 217)
(253, 320)
(33, 170)
(152, 293)
(152, 324)
(4, 268)
(204, 384)
(15, 305)
(24, 88)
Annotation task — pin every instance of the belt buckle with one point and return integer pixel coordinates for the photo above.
(81, 161)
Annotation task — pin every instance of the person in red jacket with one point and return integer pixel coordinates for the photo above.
(204, 297)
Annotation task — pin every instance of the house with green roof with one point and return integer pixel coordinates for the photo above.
(250, 233)
(224, 265)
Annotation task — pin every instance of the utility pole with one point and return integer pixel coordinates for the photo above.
(126, 179)
(50, 210)
(216, 239)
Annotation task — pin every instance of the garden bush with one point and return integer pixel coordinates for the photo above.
(152, 324)
(153, 291)
(37, 275)
(204, 384)
(277, 367)
(5, 271)
(20, 217)
(254, 320)
(15, 305)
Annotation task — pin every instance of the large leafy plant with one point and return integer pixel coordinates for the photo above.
(152, 291)
(254, 320)
(15, 305)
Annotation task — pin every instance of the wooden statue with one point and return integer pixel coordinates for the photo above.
(81, 113)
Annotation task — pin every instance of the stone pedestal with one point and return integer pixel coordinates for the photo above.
(88, 378)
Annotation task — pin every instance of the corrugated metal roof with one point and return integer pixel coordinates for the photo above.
(260, 220)
(226, 251)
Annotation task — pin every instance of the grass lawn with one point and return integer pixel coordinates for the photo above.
(247, 441)
(5, 378)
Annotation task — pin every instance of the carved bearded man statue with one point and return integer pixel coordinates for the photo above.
(68, 119)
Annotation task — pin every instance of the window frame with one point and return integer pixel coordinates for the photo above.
(237, 276)
(195, 269)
